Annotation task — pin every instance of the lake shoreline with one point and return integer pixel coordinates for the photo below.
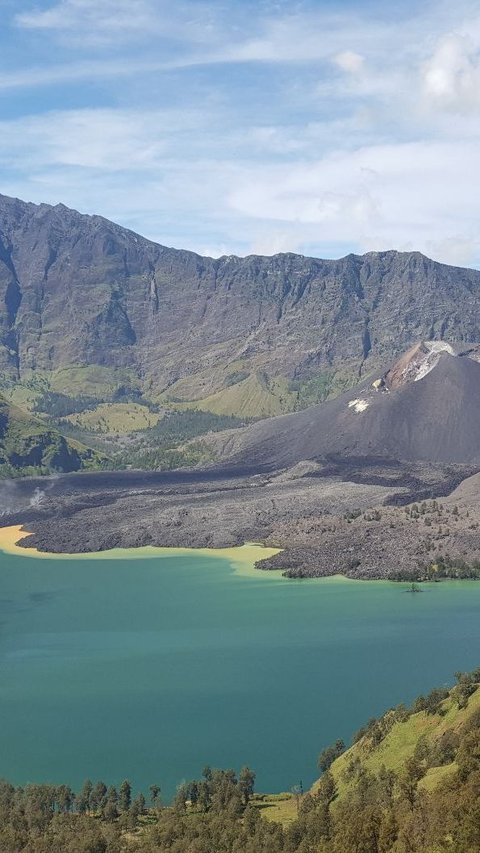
(246, 559)
(318, 522)
(242, 557)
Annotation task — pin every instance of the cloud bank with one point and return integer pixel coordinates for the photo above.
(250, 127)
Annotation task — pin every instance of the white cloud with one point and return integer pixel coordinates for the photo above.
(459, 251)
(287, 155)
(350, 61)
(271, 242)
(105, 139)
(310, 37)
(115, 22)
(155, 171)
(105, 21)
(451, 76)
(388, 196)
(74, 72)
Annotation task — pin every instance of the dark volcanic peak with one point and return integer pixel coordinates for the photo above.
(421, 359)
(426, 407)
(249, 336)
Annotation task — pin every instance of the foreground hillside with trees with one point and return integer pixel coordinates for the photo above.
(410, 783)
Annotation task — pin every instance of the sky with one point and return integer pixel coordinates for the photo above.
(239, 127)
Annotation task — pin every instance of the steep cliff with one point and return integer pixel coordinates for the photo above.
(86, 304)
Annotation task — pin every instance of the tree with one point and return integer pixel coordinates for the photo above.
(297, 791)
(155, 791)
(83, 799)
(65, 798)
(327, 788)
(181, 797)
(207, 773)
(330, 754)
(125, 796)
(97, 797)
(140, 800)
(246, 783)
(109, 810)
(251, 818)
(408, 779)
(468, 755)
(388, 832)
(204, 795)
(137, 807)
(193, 792)
(433, 702)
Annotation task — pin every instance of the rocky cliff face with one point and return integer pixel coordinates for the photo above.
(77, 291)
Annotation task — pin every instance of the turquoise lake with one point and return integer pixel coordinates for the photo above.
(151, 668)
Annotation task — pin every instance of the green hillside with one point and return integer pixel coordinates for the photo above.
(253, 396)
(28, 445)
(428, 735)
(402, 737)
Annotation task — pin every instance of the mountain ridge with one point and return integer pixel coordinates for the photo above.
(96, 217)
(257, 335)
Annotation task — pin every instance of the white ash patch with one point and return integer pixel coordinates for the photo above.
(439, 346)
(428, 365)
(436, 348)
(358, 405)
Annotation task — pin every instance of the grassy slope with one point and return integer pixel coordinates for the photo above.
(400, 743)
(252, 397)
(75, 381)
(242, 391)
(92, 381)
(23, 435)
(392, 752)
(281, 808)
(121, 418)
(252, 393)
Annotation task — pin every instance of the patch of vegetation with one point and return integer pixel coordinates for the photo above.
(414, 791)
(121, 418)
(178, 427)
(352, 515)
(281, 808)
(235, 377)
(440, 568)
(61, 405)
(171, 442)
(427, 733)
(317, 389)
(256, 396)
(30, 446)
(330, 754)
(94, 380)
(165, 459)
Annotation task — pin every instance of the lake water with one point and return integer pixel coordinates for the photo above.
(151, 668)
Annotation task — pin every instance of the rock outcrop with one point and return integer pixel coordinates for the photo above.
(79, 292)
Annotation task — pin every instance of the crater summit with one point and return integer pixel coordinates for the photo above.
(425, 407)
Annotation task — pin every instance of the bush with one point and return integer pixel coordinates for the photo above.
(330, 754)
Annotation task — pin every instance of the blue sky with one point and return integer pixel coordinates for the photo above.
(239, 127)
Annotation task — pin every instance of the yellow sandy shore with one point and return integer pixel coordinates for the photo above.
(242, 557)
